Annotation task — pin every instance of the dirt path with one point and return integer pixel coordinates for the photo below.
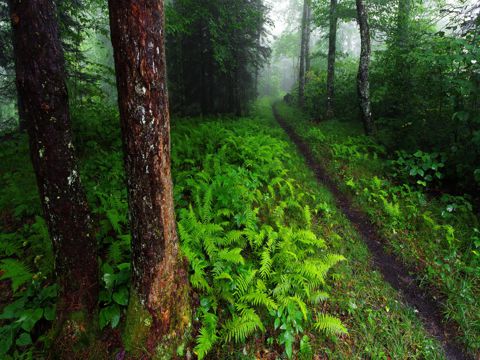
(392, 269)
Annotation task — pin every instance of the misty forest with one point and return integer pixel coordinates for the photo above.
(239, 179)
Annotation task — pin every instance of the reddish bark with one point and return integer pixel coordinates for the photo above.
(159, 280)
(43, 102)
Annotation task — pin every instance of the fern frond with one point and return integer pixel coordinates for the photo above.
(266, 263)
(243, 282)
(258, 298)
(234, 256)
(240, 327)
(208, 335)
(307, 214)
(16, 271)
(330, 325)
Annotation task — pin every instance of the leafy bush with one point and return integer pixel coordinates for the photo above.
(420, 168)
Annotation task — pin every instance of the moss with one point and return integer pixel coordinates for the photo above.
(137, 327)
(76, 338)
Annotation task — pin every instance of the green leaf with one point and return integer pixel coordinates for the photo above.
(6, 339)
(29, 318)
(49, 313)
(121, 296)
(109, 315)
(24, 339)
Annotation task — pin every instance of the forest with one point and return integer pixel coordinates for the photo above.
(239, 179)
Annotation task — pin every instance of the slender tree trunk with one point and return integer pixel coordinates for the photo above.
(44, 104)
(403, 19)
(307, 40)
(401, 77)
(363, 81)
(301, 74)
(159, 312)
(332, 49)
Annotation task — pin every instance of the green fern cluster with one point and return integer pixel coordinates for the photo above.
(246, 230)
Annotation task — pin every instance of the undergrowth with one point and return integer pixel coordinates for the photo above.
(256, 264)
(434, 232)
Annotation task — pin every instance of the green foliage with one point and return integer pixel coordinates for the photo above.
(422, 168)
(436, 233)
(246, 234)
(329, 325)
(16, 271)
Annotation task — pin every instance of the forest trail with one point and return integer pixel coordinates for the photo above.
(392, 269)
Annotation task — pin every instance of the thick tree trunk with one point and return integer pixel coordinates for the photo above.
(332, 49)
(159, 311)
(22, 121)
(301, 74)
(363, 81)
(44, 106)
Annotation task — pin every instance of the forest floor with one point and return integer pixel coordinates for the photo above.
(392, 269)
(250, 203)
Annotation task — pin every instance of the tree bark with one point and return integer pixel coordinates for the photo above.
(363, 81)
(43, 102)
(159, 311)
(301, 75)
(332, 49)
(307, 40)
(401, 77)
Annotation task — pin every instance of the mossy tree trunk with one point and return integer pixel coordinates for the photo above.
(159, 312)
(332, 50)
(363, 78)
(43, 102)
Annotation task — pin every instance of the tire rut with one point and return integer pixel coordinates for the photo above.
(392, 269)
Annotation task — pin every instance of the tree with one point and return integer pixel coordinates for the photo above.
(363, 81)
(303, 47)
(43, 101)
(401, 75)
(307, 40)
(332, 48)
(215, 49)
(159, 308)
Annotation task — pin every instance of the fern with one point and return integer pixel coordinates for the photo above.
(257, 298)
(16, 271)
(240, 327)
(208, 335)
(232, 256)
(329, 325)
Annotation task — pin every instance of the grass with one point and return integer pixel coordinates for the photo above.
(434, 235)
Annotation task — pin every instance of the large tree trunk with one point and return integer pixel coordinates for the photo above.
(332, 49)
(43, 101)
(301, 74)
(159, 311)
(363, 81)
